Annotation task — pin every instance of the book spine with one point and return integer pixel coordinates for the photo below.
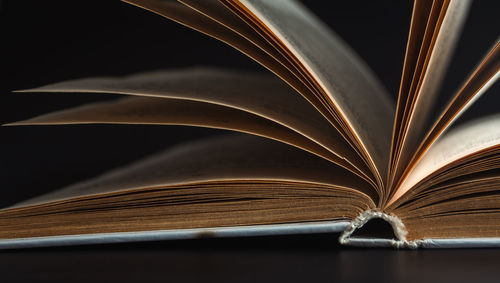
(177, 234)
(399, 229)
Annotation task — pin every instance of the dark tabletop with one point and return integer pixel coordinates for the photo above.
(308, 258)
(49, 41)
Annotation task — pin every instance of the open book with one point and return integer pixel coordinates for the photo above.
(321, 145)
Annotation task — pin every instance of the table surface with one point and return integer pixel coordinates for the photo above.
(304, 258)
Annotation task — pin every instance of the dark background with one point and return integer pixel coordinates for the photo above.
(49, 41)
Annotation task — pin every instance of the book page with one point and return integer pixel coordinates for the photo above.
(190, 18)
(230, 158)
(260, 94)
(269, 59)
(288, 71)
(351, 88)
(435, 66)
(163, 111)
(423, 20)
(483, 77)
(219, 13)
(468, 139)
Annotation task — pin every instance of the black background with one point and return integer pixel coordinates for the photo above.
(49, 41)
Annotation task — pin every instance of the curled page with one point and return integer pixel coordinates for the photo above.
(163, 111)
(426, 86)
(259, 94)
(193, 19)
(351, 88)
(484, 77)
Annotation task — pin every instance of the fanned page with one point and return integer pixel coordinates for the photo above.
(262, 52)
(352, 92)
(156, 111)
(434, 33)
(483, 77)
(283, 116)
(320, 66)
